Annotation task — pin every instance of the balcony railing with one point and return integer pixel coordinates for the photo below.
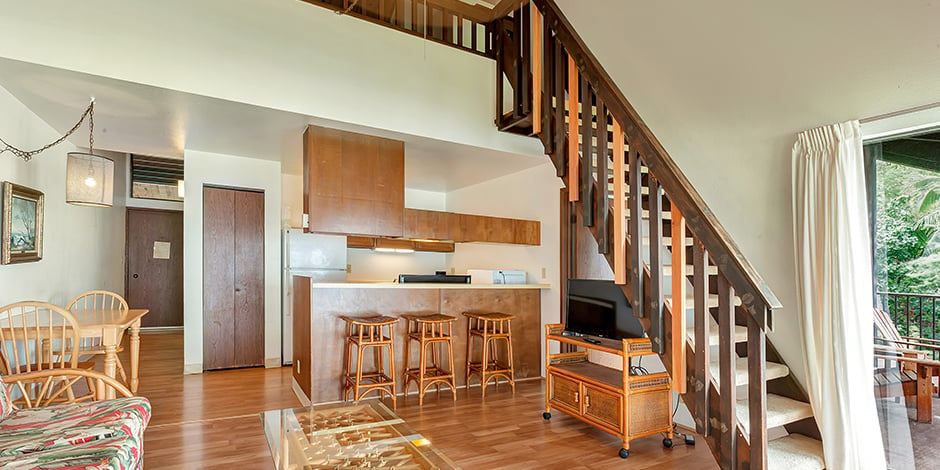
(913, 315)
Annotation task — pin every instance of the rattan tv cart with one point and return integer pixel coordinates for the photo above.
(627, 406)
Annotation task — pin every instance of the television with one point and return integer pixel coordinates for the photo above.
(599, 308)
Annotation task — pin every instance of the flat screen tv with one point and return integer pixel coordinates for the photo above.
(599, 308)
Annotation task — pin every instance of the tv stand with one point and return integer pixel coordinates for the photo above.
(627, 406)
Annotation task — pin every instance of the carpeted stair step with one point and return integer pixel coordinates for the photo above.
(795, 452)
(780, 411)
(773, 370)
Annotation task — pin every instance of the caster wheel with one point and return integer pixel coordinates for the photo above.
(624, 453)
(667, 443)
(546, 415)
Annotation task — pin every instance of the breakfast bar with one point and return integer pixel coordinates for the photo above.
(318, 336)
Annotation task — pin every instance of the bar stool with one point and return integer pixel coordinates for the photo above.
(490, 327)
(376, 332)
(435, 331)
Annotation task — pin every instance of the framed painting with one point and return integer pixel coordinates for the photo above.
(22, 224)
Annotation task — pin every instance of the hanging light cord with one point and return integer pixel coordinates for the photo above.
(27, 155)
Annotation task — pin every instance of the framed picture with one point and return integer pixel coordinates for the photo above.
(22, 224)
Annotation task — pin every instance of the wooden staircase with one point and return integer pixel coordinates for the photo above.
(705, 308)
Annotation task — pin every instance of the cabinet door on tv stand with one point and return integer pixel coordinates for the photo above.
(603, 406)
(566, 392)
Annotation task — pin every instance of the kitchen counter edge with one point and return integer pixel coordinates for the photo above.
(421, 285)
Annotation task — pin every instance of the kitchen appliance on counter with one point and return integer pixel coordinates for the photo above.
(320, 257)
(496, 276)
(439, 277)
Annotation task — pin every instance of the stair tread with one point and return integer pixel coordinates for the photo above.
(689, 269)
(772, 371)
(795, 452)
(780, 411)
(667, 241)
(712, 300)
(740, 334)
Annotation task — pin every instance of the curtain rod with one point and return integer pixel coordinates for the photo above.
(902, 112)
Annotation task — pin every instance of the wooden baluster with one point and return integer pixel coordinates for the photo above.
(474, 34)
(727, 360)
(573, 112)
(636, 233)
(459, 40)
(518, 68)
(602, 205)
(757, 392)
(679, 377)
(703, 384)
(536, 54)
(620, 213)
(559, 64)
(549, 92)
(657, 320)
(587, 160)
(525, 48)
(500, 57)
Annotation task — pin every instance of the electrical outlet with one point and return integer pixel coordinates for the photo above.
(544, 273)
(452, 270)
(298, 366)
(348, 268)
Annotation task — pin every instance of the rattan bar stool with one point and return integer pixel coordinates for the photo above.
(376, 332)
(490, 327)
(434, 331)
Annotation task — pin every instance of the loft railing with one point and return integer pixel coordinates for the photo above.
(449, 22)
(913, 315)
(647, 218)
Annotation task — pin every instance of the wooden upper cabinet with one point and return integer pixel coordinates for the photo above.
(433, 225)
(353, 183)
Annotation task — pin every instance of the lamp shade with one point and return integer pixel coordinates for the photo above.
(89, 180)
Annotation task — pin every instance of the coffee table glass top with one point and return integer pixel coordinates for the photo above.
(347, 435)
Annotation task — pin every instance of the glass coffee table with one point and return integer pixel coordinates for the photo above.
(345, 436)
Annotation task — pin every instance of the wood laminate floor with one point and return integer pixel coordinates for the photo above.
(211, 420)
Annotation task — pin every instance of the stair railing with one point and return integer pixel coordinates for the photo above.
(606, 153)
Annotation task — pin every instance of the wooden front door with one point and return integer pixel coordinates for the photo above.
(154, 272)
(233, 278)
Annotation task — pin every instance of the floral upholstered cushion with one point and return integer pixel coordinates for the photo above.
(6, 404)
(46, 428)
(116, 453)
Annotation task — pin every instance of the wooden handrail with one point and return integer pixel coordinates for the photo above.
(755, 294)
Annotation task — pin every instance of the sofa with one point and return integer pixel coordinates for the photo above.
(105, 434)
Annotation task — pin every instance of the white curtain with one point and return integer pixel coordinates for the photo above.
(833, 263)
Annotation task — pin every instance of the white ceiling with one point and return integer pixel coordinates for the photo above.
(135, 118)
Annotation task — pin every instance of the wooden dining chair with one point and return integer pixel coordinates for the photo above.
(37, 336)
(99, 300)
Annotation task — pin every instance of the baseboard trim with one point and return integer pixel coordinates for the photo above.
(272, 362)
(192, 369)
(157, 329)
(299, 392)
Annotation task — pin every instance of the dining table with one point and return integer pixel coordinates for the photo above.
(109, 326)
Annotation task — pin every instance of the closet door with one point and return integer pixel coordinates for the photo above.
(218, 278)
(249, 278)
(233, 278)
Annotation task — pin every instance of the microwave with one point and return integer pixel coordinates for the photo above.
(496, 276)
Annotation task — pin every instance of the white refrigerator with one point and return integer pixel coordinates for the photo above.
(321, 257)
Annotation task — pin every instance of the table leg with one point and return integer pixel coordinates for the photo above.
(135, 354)
(110, 364)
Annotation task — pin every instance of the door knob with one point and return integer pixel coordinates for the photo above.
(135, 276)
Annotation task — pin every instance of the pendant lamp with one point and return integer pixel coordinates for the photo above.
(89, 180)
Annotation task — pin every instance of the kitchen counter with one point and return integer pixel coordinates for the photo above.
(318, 331)
(420, 285)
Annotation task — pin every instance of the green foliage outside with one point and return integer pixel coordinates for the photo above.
(907, 246)
(908, 229)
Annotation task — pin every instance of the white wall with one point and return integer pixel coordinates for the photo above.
(226, 170)
(285, 55)
(83, 247)
(529, 194)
